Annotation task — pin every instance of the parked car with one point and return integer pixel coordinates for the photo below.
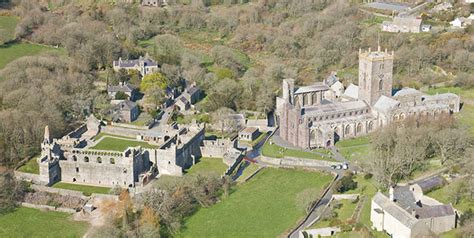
(345, 166)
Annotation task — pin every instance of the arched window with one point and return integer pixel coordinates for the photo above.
(74, 158)
(359, 128)
(380, 85)
(99, 160)
(347, 130)
(86, 159)
(112, 160)
(370, 126)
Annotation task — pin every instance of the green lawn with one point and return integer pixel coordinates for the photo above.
(266, 206)
(11, 52)
(208, 167)
(275, 151)
(344, 213)
(31, 167)
(8, 24)
(29, 222)
(87, 190)
(117, 144)
(356, 150)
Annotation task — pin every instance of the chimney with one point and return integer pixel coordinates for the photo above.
(370, 49)
(378, 49)
(390, 194)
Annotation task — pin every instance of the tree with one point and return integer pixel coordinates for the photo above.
(167, 49)
(3, 37)
(451, 144)
(11, 193)
(222, 118)
(346, 183)
(153, 81)
(121, 96)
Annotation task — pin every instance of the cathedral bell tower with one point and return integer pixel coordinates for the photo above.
(375, 75)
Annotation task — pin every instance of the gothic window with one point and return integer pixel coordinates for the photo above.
(370, 126)
(381, 66)
(112, 160)
(74, 158)
(347, 130)
(99, 160)
(380, 85)
(359, 128)
(77, 169)
(86, 159)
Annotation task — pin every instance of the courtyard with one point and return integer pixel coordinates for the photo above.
(119, 144)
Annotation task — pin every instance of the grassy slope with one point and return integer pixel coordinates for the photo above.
(28, 222)
(116, 144)
(249, 170)
(8, 24)
(31, 167)
(266, 206)
(11, 52)
(275, 151)
(443, 194)
(208, 166)
(85, 189)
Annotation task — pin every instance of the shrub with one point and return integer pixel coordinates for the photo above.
(121, 96)
(368, 176)
(345, 184)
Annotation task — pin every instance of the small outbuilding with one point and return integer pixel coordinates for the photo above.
(249, 134)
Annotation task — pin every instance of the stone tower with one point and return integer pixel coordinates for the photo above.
(289, 90)
(375, 75)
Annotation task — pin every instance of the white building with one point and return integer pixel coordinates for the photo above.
(409, 213)
(403, 24)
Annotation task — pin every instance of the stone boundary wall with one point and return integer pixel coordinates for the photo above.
(104, 196)
(34, 178)
(338, 197)
(60, 191)
(296, 162)
(253, 174)
(130, 126)
(50, 208)
(234, 165)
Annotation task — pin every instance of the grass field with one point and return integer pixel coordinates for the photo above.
(11, 52)
(8, 24)
(29, 222)
(87, 190)
(249, 170)
(117, 144)
(31, 167)
(356, 150)
(208, 167)
(266, 206)
(275, 151)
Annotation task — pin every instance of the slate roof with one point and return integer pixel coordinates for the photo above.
(441, 96)
(407, 92)
(332, 79)
(393, 209)
(407, 21)
(319, 86)
(335, 107)
(121, 88)
(192, 90)
(405, 198)
(132, 63)
(126, 105)
(249, 130)
(385, 104)
(352, 91)
(431, 183)
(434, 211)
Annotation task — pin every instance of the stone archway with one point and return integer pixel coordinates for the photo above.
(370, 126)
(359, 128)
(348, 130)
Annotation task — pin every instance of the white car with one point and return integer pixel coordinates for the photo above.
(345, 166)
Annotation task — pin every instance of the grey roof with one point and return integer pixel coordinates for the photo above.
(434, 211)
(135, 62)
(121, 88)
(249, 130)
(319, 86)
(184, 100)
(431, 183)
(126, 105)
(441, 96)
(407, 92)
(331, 79)
(352, 91)
(385, 104)
(407, 21)
(394, 210)
(335, 107)
(192, 90)
(405, 198)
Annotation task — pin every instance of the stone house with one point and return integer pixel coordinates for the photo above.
(192, 94)
(403, 24)
(407, 212)
(144, 65)
(183, 104)
(125, 111)
(249, 134)
(123, 87)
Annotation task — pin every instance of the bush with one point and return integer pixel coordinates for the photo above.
(368, 176)
(345, 184)
(121, 96)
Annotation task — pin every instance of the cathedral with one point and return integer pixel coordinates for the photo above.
(321, 114)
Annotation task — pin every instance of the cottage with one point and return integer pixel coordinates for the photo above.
(403, 24)
(409, 213)
(125, 111)
(192, 94)
(129, 90)
(249, 134)
(144, 65)
(183, 104)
